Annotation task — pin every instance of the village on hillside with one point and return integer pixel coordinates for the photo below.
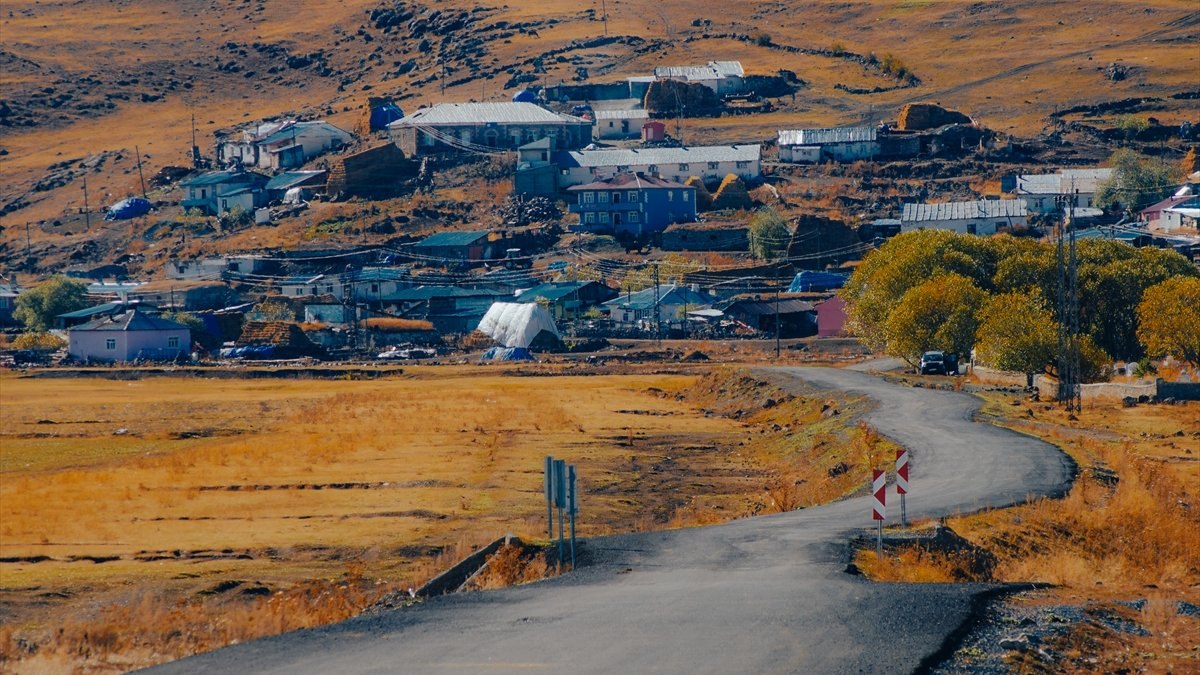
(592, 204)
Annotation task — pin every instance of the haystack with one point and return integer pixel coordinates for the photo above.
(732, 195)
(704, 198)
(921, 116)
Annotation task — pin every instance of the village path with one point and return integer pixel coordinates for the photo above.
(760, 595)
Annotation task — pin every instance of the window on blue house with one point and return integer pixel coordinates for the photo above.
(670, 195)
(604, 216)
(588, 197)
(633, 216)
(602, 197)
(686, 198)
(173, 342)
(633, 196)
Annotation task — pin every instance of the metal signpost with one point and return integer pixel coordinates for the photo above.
(561, 492)
(902, 483)
(572, 507)
(879, 504)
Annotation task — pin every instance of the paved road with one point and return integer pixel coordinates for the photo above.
(761, 595)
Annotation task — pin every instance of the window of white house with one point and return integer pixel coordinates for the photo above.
(683, 167)
(633, 197)
(203, 193)
(742, 165)
(173, 342)
(299, 291)
(653, 168)
(588, 197)
(602, 197)
(714, 165)
(622, 169)
(374, 288)
(110, 343)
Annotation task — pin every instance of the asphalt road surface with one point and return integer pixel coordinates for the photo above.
(759, 595)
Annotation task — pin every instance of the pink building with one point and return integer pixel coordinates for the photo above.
(831, 318)
(128, 336)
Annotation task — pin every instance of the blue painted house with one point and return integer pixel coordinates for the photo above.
(633, 204)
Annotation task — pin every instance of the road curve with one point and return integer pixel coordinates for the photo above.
(763, 595)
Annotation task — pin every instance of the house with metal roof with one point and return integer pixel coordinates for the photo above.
(839, 144)
(619, 123)
(1042, 192)
(672, 302)
(983, 216)
(568, 300)
(710, 163)
(443, 246)
(129, 336)
(486, 127)
(632, 204)
(796, 317)
(723, 77)
(280, 145)
(218, 192)
(82, 316)
(303, 181)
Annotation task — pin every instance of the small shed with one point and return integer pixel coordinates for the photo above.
(831, 318)
(654, 132)
(472, 245)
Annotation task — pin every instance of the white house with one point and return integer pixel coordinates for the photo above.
(842, 144)
(723, 77)
(674, 164)
(456, 127)
(128, 336)
(1041, 192)
(619, 123)
(982, 216)
(281, 145)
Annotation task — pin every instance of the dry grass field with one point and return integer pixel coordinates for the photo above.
(143, 520)
(1128, 531)
(101, 79)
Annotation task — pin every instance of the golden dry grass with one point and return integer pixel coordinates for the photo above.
(149, 503)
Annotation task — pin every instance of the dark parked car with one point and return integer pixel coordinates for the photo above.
(938, 363)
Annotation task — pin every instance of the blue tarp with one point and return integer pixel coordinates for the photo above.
(384, 114)
(524, 96)
(128, 208)
(507, 354)
(807, 281)
(249, 352)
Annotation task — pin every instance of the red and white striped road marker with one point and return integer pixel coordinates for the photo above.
(879, 492)
(902, 472)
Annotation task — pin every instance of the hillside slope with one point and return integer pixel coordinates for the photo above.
(85, 83)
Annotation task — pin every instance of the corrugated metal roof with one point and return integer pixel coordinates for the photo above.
(636, 157)
(981, 208)
(452, 239)
(1063, 182)
(131, 320)
(484, 113)
(728, 68)
(224, 177)
(288, 179)
(667, 295)
(624, 181)
(291, 130)
(621, 114)
(551, 291)
(713, 70)
(826, 136)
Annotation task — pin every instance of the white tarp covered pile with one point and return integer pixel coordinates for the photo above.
(517, 324)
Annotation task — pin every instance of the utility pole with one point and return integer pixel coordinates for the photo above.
(1069, 389)
(87, 210)
(604, 14)
(778, 288)
(657, 309)
(140, 176)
